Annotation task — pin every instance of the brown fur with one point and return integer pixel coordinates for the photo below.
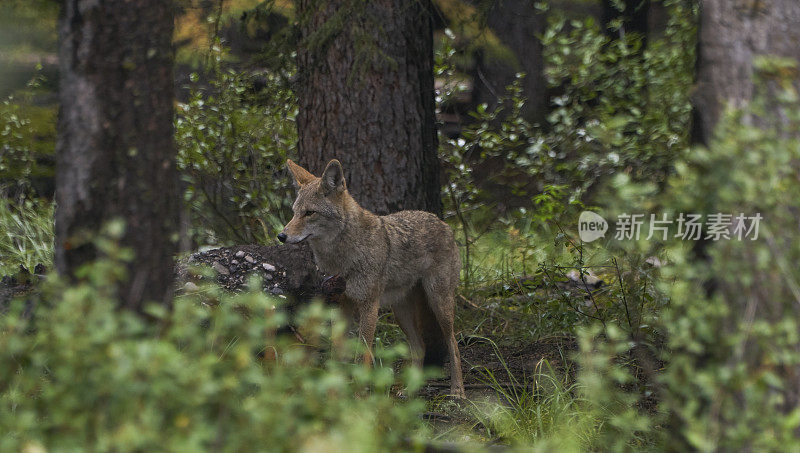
(407, 261)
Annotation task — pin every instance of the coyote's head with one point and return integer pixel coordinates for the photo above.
(320, 204)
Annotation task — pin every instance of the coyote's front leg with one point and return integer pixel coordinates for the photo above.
(367, 322)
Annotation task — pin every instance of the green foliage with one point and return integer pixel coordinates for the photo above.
(26, 235)
(722, 365)
(232, 146)
(27, 134)
(553, 411)
(16, 159)
(605, 385)
(622, 109)
(544, 409)
(83, 374)
(27, 38)
(731, 379)
(621, 117)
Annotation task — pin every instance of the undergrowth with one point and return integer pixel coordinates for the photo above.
(26, 235)
(210, 374)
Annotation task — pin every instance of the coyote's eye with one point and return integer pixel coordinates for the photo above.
(308, 213)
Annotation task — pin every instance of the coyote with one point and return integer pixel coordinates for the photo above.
(407, 261)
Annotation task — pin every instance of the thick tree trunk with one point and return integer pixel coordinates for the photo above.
(731, 34)
(115, 150)
(366, 97)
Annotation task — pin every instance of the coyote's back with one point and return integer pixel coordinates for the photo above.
(419, 244)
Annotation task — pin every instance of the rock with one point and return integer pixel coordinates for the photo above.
(234, 261)
(222, 270)
(249, 259)
(591, 280)
(654, 261)
(298, 277)
(190, 287)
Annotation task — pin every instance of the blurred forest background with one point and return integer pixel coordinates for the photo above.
(506, 117)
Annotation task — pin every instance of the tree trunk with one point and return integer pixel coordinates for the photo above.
(731, 34)
(115, 150)
(366, 97)
(634, 17)
(517, 24)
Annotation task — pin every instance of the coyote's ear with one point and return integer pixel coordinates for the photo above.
(333, 178)
(301, 175)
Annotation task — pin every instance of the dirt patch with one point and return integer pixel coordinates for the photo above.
(22, 283)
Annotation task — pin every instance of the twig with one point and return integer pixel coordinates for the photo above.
(569, 302)
(464, 227)
(586, 286)
(466, 303)
(624, 299)
(436, 416)
(479, 386)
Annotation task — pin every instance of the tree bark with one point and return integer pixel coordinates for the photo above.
(731, 34)
(517, 24)
(366, 97)
(115, 150)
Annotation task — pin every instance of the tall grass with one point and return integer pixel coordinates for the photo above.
(26, 235)
(544, 410)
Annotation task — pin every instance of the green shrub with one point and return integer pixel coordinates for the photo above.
(622, 109)
(621, 117)
(26, 235)
(619, 109)
(558, 410)
(27, 141)
(232, 147)
(83, 374)
(731, 379)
